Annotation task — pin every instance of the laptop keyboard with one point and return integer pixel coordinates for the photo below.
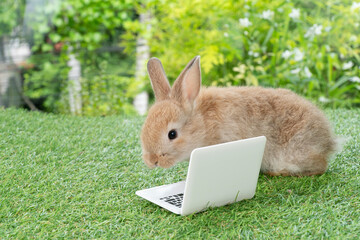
(175, 200)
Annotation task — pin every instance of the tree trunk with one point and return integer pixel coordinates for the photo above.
(142, 55)
(74, 86)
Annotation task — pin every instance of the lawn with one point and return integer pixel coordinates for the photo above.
(76, 177)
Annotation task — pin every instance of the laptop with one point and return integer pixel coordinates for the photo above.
(217, 175)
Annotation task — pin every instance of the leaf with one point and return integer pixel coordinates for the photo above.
(47, 47)
(55, 37)
(338, 83)
(268, 36)
(210, 57)
(96, 37)
(251, 80)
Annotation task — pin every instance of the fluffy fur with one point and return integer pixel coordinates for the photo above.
(299, 137)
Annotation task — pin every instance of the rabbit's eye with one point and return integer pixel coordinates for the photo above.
(172, 134)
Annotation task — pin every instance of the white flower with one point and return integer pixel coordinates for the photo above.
(244, 22)
(295, 13)
(246, 33)
(226, 34)
(295, 71)
(348, 65)
(355, 5)
(307, 72)
(353, 38)
(298, 55)
(328, 28)
(268, 14)
(313, 31)
(255, 54)
(323, 99)
(317, 29)
(286, 54)
(354, 79)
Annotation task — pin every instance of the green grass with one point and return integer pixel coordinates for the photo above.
(76, 177)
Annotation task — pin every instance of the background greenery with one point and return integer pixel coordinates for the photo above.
(314, 52)
(91, 31)
(311, 47)
(76, 177)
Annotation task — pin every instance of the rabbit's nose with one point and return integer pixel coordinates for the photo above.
(154, 159)
(151, 160)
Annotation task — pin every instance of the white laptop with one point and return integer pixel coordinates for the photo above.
(217, 175)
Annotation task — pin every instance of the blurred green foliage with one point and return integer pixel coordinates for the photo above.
(91, 31)
(311, 47)
(47, 80)
(11, 15)
(108, 91)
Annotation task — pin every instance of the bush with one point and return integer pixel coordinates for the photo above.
(107, 94)
(45, 82)
(107, 87)
(91, 31)
(309, 47)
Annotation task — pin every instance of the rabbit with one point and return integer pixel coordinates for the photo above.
(186, 116)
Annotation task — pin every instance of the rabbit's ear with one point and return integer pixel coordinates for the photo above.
(187, 86)
(158, 79)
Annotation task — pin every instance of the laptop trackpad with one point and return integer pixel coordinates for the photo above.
(167, 196)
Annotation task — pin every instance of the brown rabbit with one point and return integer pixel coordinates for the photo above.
(185, 117)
